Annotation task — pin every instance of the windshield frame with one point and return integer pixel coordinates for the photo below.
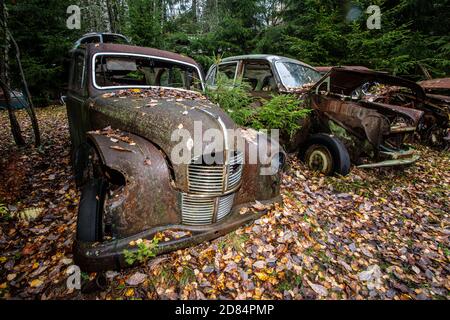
(124, 54)
(298, 63)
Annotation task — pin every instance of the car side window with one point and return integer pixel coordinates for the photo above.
(211, 78)
(259, 76)
(228, 70)
(77, 83)
(94, 39)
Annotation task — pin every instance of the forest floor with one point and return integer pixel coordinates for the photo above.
(375, 234)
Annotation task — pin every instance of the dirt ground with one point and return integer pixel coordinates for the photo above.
(375, 234)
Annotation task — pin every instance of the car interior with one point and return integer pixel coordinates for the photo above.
(129, 71)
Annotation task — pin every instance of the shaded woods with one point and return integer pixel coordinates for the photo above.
(413, 40)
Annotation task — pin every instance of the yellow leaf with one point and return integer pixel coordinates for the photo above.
(3, 259)
(36, 283)
(262, 276)
(3, 285)
(129, 292)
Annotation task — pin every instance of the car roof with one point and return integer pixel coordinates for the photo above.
(124, 48)
(91, 34)
(269, 57)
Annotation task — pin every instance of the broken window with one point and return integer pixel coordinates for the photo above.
(259, 75)
(294, 75)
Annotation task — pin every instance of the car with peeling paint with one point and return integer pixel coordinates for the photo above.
(124, 105)
(345, 126)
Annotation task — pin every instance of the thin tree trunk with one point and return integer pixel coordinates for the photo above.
(33, 118)
(15, 126)
(4, 79)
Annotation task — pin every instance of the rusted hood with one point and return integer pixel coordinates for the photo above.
(443, 83)
(438, 90)
(158, 119)
(413, 114)
(344, 80)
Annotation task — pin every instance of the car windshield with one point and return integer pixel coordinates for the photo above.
(295, 75)
(118, 71)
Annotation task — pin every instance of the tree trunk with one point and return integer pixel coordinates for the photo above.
(194, 10)
(4, 79)
(30, 109)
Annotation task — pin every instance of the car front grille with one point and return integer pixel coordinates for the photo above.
(215, 179)
(197, 211)
(205, 203)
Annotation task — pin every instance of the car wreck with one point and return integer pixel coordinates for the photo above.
(345, 126)
(124, 106)
(434, 128)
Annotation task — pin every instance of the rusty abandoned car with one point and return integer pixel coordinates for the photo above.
(344, 125)
(124, 103)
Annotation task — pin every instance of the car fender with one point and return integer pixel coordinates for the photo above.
(148, 198)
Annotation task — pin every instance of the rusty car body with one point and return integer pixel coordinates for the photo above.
(124, 103)
(325, 69)
(370, 133)
(434, 127)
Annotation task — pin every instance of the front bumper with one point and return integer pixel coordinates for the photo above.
(109, 255)
(394, 158)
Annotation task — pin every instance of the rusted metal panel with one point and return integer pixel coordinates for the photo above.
(148, 199)
(443, 83)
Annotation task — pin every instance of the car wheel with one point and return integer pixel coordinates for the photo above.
(90, 211)
(326, 154)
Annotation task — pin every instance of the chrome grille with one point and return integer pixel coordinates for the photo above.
(235, 170)
(224, 207)
(210, 179)
(206, 179)
(197, 211)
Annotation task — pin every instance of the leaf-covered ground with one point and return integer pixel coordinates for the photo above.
(378, 234)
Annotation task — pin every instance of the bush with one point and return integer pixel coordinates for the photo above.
(283, 112)
(233, 98)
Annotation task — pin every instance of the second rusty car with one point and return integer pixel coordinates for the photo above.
(125, 105)
(345, 126)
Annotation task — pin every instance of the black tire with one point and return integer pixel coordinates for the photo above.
(331, 152)
(90, 211)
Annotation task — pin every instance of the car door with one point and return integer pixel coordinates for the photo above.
(76, 110)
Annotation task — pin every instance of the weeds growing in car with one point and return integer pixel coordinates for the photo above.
(283, 112)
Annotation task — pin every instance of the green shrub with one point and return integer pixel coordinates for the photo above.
(283, 112)
(233, 98)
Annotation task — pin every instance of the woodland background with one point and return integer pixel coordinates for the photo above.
(414, 40)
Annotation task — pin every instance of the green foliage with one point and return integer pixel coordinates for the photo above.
(414, 38)
(283, 112)
(146, 249)
(233, 98)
